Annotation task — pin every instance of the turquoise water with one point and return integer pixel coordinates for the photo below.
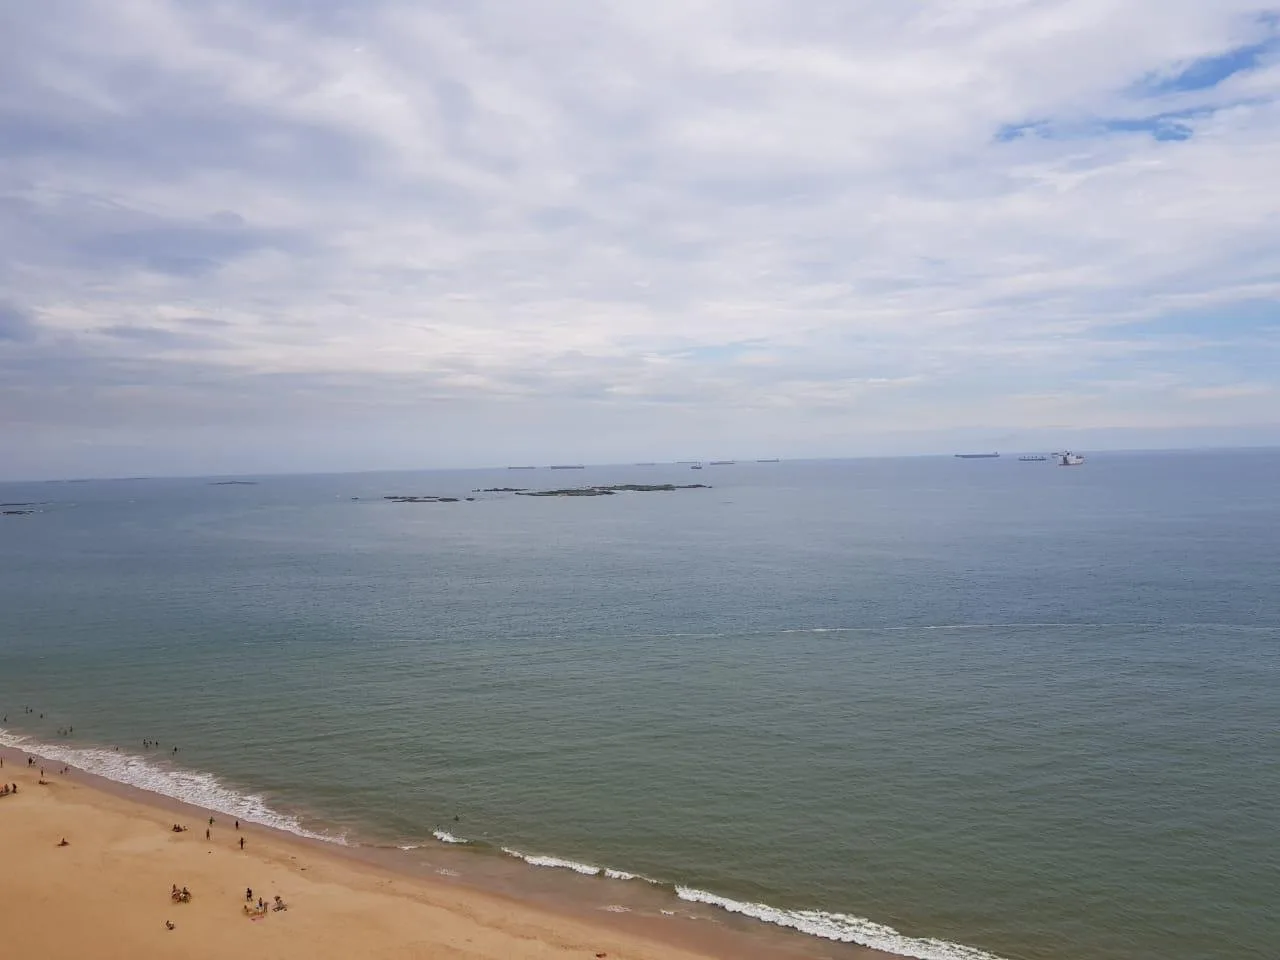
(1025, 709)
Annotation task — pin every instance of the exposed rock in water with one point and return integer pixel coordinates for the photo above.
(615, 488)
(603, 491)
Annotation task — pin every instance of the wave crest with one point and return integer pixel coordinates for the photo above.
(842, 927)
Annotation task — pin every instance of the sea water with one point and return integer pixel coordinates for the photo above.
(956, 709)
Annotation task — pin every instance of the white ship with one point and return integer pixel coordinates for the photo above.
(1068, 459)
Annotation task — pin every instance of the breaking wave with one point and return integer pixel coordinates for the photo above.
(444, 836)
(843, 927)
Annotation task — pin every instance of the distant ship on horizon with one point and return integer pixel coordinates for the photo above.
(976, 456)
(1033, 458)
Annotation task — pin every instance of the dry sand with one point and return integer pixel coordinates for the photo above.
(107, 894)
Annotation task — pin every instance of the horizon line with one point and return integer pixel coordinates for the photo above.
(629, 463)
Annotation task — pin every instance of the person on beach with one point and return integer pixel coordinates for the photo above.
(211, 821)
(248, 894)
(242, 843)
(237, 822)
(63, 842)
(206, 833)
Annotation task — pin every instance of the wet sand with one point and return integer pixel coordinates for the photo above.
(107, 894)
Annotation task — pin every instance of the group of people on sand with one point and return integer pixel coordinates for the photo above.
(183, 895)
(260, 909)
(208, 833)
(31, 762)
(8, 788)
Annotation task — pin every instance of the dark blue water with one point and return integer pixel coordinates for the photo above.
(1027, 709)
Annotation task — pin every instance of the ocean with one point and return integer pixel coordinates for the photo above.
(953, 709)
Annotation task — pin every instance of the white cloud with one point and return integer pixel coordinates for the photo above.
(392, 205)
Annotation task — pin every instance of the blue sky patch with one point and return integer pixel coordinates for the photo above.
(1208, 72)
(1170, 125)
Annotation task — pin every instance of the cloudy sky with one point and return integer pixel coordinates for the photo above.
(262, 235)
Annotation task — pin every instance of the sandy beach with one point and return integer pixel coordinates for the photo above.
(107, 893)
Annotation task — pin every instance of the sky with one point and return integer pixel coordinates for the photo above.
(296, 235)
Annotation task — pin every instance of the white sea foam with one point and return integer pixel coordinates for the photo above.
(199, 789)
(411, 846)
(613, 874)
(584, 868)
(842, 927)
(444, 836)
(616, 908)
(446, 872)
(539, 861)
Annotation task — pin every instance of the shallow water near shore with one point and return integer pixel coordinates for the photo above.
(917, 704)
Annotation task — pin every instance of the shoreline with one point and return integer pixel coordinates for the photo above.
(643, 922)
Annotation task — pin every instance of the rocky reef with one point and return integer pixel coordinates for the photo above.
(599, 491)
(609, 491)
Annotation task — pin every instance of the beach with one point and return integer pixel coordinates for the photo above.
(107, 892)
